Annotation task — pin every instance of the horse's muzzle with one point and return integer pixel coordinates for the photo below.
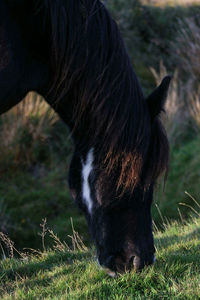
(114, 265)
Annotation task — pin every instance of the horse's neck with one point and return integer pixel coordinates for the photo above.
(66, 108)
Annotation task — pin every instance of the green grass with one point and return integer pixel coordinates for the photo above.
(75, 274)
(184, 174)
(28, 197)
(149, 33)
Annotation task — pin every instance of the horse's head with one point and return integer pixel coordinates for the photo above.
(120, 220)
(22, 67)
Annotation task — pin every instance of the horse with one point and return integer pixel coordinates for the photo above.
(71, 52)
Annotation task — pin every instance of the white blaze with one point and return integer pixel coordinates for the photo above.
(86, 170)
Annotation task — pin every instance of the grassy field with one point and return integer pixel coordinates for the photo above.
(74, 274)
(33, 197)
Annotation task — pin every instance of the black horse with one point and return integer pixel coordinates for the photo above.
(71, 52)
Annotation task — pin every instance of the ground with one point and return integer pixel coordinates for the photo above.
(74, 274)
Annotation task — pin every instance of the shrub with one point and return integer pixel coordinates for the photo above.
(187, 53)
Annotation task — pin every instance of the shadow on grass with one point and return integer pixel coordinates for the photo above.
(69, 272)
(26, 269)
(176, 238)
(55, 259)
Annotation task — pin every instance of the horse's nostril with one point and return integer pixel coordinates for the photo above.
(131, 259)
(131, 262)
(139, 263)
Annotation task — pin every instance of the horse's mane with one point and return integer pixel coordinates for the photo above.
(89, 58)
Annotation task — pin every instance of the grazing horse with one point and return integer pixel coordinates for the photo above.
(71, 52)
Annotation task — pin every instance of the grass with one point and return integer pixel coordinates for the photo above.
(183, 176)
(28, 197)
(25, 131)
(150, 33)
(162, 3)
(66, 274)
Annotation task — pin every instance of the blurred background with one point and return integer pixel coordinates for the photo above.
(162, 37)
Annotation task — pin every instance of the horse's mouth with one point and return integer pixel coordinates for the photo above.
(135, 264)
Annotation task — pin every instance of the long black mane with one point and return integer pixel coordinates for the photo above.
(89, 60)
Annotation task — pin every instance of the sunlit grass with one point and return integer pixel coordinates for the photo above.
(65, 274)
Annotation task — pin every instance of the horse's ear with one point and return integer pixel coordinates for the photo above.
(156, 101)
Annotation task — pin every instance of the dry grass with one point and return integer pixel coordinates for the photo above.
(182, 107)
(32, 107)
(171, 2)
(183, 104)
(23, 126)
(194, 107)
(176, 117)
(8, 249)
(187, 46)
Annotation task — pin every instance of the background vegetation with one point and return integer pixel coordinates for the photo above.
(35, 152)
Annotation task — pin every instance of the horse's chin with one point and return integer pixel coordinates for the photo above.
(110, 272)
